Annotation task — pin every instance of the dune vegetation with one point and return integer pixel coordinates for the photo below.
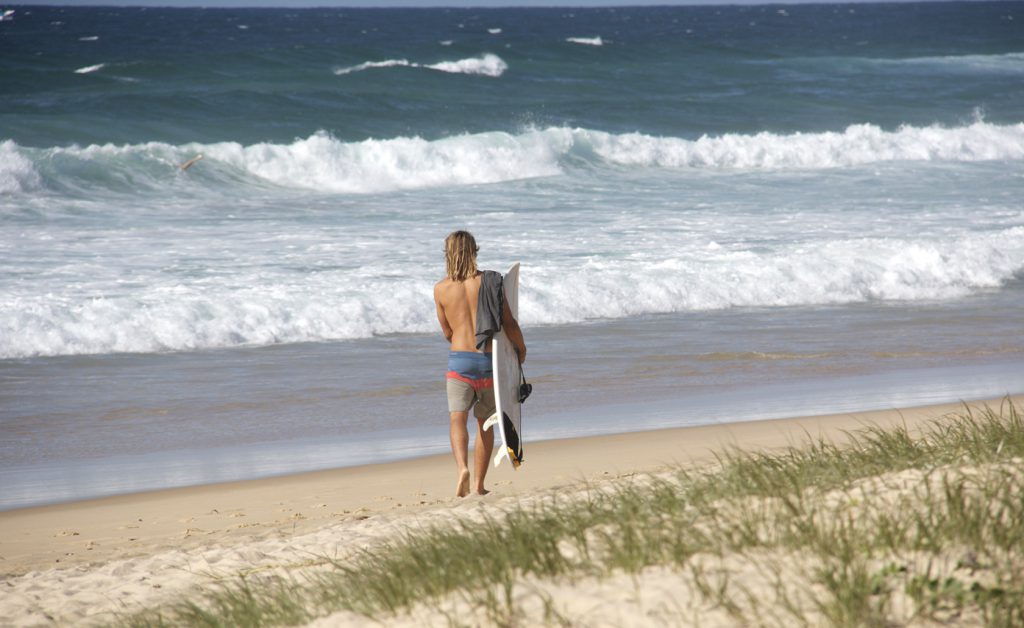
(888, 528)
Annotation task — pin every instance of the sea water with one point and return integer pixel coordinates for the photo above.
(722, 213)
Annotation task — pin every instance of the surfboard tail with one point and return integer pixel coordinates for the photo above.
(513, 445)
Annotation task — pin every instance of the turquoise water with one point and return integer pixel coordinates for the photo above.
(705, 201)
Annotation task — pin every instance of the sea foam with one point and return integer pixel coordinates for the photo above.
(487, 65)
(90, 68)
(587, 41)
(17, 172)
(324, 163)
(261, 309)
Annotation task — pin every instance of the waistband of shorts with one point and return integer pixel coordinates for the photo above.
(468, 354)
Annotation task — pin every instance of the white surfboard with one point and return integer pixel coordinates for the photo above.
(507, 376)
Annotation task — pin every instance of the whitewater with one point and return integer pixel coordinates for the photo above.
(324, 163)
(253, 299)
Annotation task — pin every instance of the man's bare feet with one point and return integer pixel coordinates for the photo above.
(462, 488)
(481, 491)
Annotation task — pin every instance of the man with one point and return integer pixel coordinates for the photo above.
(469, 378)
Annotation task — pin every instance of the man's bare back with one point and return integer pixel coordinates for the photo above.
(456, 311)
(456, 303)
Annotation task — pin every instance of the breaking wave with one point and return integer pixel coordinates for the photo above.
(324, 163)
(91, 68)
(258, 310)
(587, 41)
(486, 65)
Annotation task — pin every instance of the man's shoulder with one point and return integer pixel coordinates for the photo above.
(441, 285)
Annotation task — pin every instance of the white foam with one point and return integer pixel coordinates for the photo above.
(324, 163)
(17, 173)
(252, 307)
(587, 41)
(494, 31)
(487, 65)
(368, 65)
(90, 68)
(858, 144)
(833, 271)
(91, 38)
(446, 42)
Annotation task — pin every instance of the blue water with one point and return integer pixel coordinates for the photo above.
(811, 206)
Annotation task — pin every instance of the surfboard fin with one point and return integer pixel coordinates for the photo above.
(513, 458)
(498, 459)
(491, 422)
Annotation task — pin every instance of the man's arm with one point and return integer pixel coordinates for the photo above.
(446, 329)
(511, 328)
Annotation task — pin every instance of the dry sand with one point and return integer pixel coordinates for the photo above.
(71, 563)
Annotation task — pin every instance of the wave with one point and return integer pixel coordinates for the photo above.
(17, 172)
(487, 65)
(1012, 62)
(91, 68)
(369, 65)
(587, 41)
(858, 145)
(324, 163)
(262, 310)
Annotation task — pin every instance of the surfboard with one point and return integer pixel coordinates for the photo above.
(507, 376)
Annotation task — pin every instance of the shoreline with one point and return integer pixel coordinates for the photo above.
(51, 482)
(99, 530)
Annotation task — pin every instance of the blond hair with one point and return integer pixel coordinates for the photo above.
(460, 255)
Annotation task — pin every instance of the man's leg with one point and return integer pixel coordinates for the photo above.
(482, 454)
(460, 447)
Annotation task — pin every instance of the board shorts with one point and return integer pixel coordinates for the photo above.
(470, 382)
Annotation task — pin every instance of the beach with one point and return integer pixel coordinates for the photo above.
(84, 560)
(736, 226)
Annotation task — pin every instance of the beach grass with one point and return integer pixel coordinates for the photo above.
(889, 528)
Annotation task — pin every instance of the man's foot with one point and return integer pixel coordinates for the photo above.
(481, 491)
(462, 488)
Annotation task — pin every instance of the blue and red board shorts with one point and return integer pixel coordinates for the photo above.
(470, 382)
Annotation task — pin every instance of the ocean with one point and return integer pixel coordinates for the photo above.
(722, 213)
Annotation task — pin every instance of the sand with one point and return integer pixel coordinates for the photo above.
(90, 560)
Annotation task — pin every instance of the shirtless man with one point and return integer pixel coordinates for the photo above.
(469, 379)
